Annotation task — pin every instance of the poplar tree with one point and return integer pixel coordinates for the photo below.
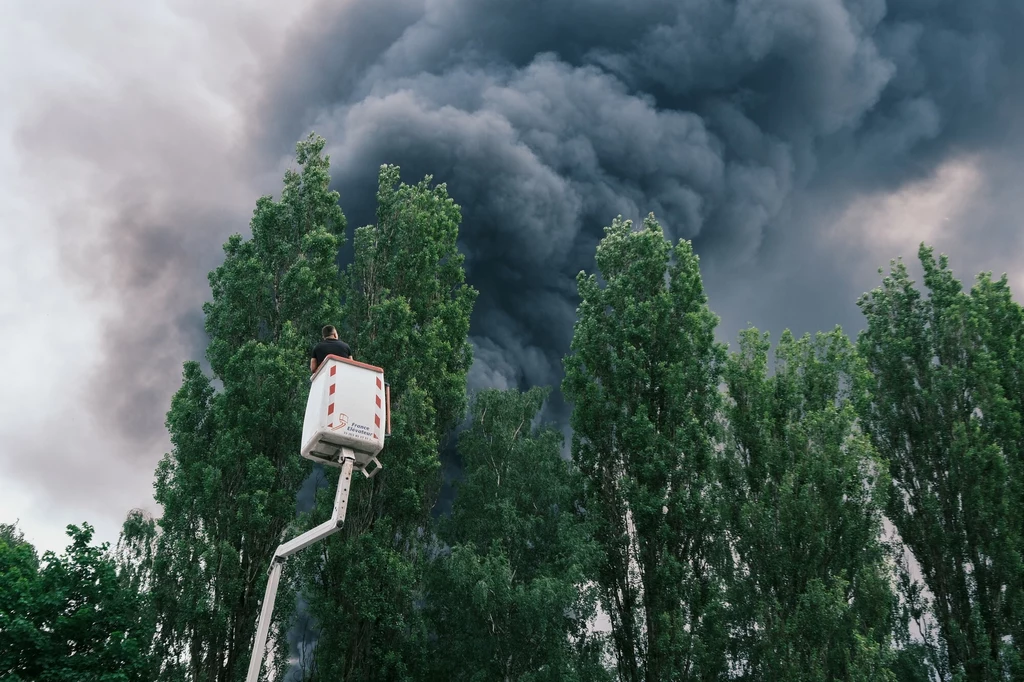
(945, 411)
(407, 309)
(812, 594)
(643, 378)
(229, 485)
(509, 599)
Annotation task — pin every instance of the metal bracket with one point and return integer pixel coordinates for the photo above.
(376, 468)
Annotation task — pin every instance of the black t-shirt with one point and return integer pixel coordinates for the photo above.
(330, 347)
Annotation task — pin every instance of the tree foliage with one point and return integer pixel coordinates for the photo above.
(736, 538)
(945, 411)
(406, 309)
(228, 487)
(643, 377)
(69, 617)
(812, 594)
(510, 599)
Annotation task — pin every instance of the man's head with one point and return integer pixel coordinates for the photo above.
(330, 332)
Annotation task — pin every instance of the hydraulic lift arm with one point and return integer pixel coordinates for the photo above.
(324, 530)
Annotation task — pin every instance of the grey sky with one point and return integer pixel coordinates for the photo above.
(124, 163)
(801, 143)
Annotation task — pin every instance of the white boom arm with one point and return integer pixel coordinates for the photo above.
(325, 529)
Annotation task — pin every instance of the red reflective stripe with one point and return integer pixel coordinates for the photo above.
(376, 419)
(331, 392)
(330, 409)
(334, 370)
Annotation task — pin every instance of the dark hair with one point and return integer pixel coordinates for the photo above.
(328, 330)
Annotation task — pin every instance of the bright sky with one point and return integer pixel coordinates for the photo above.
(57, 466)
(37, 397)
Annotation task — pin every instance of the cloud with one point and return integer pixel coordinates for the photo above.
(129, 164)
(747, 126)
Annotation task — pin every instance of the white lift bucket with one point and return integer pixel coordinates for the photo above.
(349, 406)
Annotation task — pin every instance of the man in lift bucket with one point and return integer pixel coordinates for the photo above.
(329, 346)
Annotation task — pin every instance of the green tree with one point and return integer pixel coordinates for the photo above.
(511, 601)
(812, 597)
(407, 310)
(21, 641)
(228, 487)
(945, 411)
(643, 377)
(69, 618)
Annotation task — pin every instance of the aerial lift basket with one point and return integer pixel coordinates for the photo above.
(349, 406)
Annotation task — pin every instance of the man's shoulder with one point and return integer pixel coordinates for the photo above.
(329, 345)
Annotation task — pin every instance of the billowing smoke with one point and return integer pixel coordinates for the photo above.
(742, 124)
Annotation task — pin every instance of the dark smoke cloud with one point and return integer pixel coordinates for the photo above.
(745, 126)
